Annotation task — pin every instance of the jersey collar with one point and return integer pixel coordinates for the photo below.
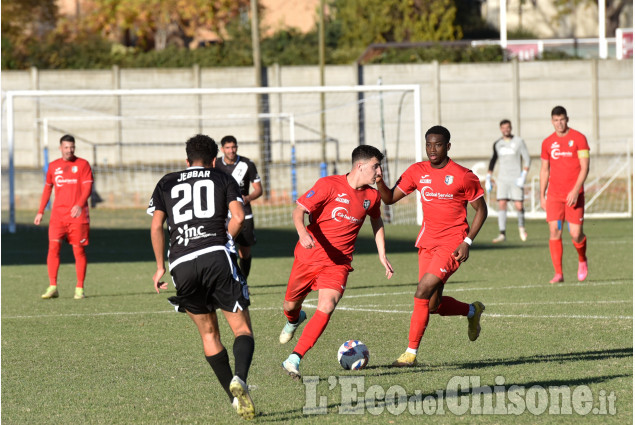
(224, 163)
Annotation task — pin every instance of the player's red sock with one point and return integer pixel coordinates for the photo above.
(80, 264)
(452, 307)
(581, 248)
(293, 316)
(418, 322)
(312, 332)
(53, 261)
(555, 247)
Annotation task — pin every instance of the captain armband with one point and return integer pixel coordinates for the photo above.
(583, 153)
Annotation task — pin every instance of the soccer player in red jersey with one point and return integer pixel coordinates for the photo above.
(72, 178)
(445, 237)
(337, 207)
(564, 168)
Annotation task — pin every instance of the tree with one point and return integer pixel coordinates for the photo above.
(26, 20)
(379, 21)
(150, 24)
(614, 9)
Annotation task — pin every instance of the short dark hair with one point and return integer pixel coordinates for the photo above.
(366, 152)
(67, 138)
(505, 121)
(440, 130)
(228, 139)
(558, 110)
(201, 148)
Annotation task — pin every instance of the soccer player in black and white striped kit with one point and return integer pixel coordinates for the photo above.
(512, 173)
(202, 261)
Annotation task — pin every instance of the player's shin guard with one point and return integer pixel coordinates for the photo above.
(245, 266)
(220, 365)
(452, 307)
(418, 322)
(521, 218)
(502, 220)
(53, 261)
(312, 332)
(581, 248)
(243, 353)
(555, 248)
(80, 264)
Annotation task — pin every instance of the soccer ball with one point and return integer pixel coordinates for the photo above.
(353, 355)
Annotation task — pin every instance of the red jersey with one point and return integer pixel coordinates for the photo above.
(337, 213)
(445, 193)
(73, 182)
(564, 165)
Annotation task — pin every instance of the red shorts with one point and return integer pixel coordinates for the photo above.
(558, 210)
(75, 233)
(311, 277)
(438, 261)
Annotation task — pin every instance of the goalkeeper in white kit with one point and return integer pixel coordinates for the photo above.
(512, 173)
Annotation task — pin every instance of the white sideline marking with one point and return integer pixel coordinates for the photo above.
(527, 303)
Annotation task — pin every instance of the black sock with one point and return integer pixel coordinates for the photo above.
(245, 266)
(243, 353)
(220, 365)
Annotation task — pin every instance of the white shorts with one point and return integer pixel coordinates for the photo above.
(509, 191)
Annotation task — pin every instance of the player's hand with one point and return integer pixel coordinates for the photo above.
(520, 181)
(462, 252)
(157, 279)
(572, 198)
(543, 203)
(38, 219)
(389, 270)
(488, 183)
(306, 241)
(76, 211)
(246, 200)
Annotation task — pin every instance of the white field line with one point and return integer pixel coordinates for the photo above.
(526, 303)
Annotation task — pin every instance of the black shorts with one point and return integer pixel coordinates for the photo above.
(210, 281)
(247, 236)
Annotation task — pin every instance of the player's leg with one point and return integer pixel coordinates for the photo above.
(575, 219)
(57, 233)
(555, 219)
(78, 234)
(245, 240)
(244, 261)
(520, 208)
(330, 284)
(243, 349)
(298, 287)
(502, 221)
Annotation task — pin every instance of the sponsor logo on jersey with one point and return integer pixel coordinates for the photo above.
(186, 234)
(443, 270)
(311, 193)
(340, 198)
(58, 170)
(427, 194)
(425, 179)
(555, 145)
(61, 181)
(366, 204)
(74, 169)
(557, 153)
(341, 213)
(193, 174)
(570, 143)
(449, 180)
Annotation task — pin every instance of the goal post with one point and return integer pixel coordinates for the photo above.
(132, 137)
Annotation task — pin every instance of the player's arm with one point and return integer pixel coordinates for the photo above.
(238, 217)
(157, 236)
(526, 161)
(490, 169)
(572, 197)
(388, 196)
(462, 252)
(87, 188)
(257, 193)
(46, 195)
(305, 238)
(378, 229)
(544, 180)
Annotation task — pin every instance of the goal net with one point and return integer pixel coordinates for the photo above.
(131, 138)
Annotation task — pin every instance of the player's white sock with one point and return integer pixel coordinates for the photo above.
(470, 314)
(411, 350)
(502, 220)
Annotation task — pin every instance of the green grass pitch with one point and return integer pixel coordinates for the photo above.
(123, 356)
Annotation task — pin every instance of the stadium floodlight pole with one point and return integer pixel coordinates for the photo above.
(323, 168)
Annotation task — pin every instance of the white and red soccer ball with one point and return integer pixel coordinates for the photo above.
(353, 355)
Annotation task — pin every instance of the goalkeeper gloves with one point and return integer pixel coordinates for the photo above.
(230, 245)
(520, 181)
(488, 183)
